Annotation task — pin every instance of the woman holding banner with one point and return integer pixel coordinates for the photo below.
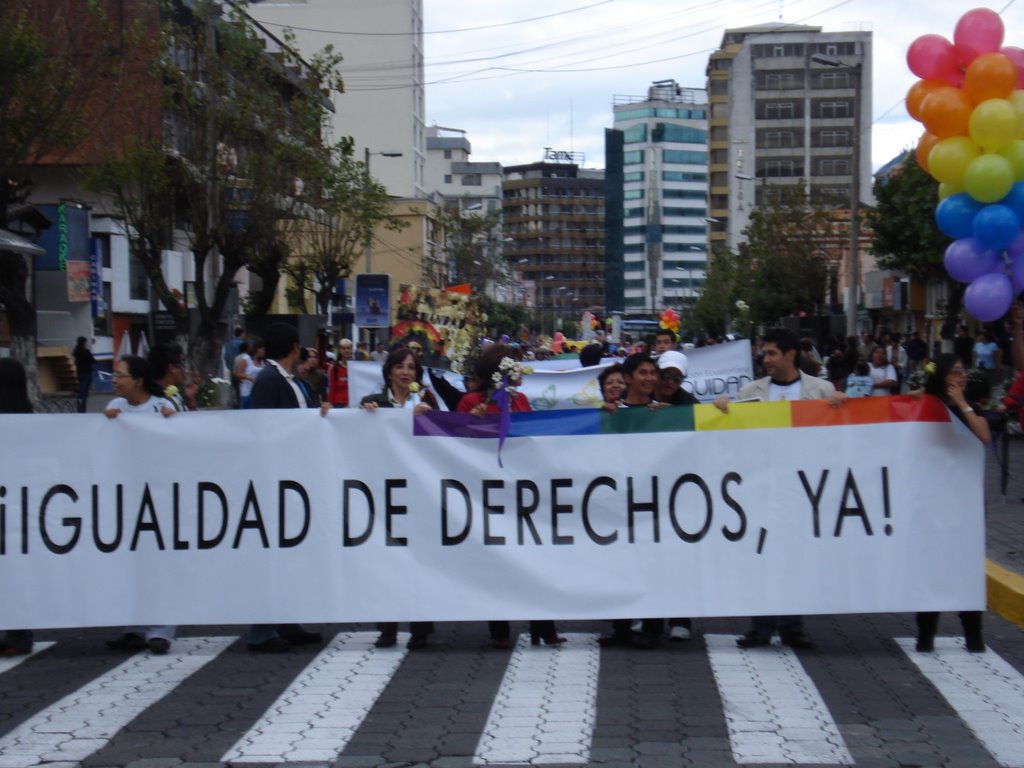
(947, 380)
(497, 373)
(612, 384)
(402, 374)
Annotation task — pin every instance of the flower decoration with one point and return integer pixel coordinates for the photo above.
(669, 320)
(742, 306)
(508, 376)
(414, 387)
(170, 391)
(929, 368)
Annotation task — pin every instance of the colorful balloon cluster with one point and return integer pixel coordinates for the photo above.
(669, 320)
(971, 100)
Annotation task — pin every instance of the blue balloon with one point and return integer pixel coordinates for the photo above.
(989, 297)
(996, 226)
(1015, 200)
(955, 215)
(966, 260)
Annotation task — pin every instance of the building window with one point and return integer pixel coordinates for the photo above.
(833, 138)
(633, 194)
(833, 166)
(635, 135)
(138, 283)
(683, 134)
(447, 154)
(783, 168)
(833, 109)
(472, 180)
(778, 139)
(633, 157)
(447, 178)
(684, 157)
(633, 176)
(779, 110)
(833, 80)
(779, 81)
(683, 176)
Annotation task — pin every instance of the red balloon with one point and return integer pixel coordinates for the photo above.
(978, 31)
(932, 57)
(1016, 55)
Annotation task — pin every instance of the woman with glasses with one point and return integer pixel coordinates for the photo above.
(948, 382)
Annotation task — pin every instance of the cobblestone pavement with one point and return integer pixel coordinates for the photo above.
(861, 696)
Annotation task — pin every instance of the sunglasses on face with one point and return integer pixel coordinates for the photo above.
(676, 377)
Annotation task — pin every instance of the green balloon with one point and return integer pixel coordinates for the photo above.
(1014, 152)
(988, 178)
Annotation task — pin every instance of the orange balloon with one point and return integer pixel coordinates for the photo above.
(924, 146)
(916, 95)
(990, 76)
(946, 112)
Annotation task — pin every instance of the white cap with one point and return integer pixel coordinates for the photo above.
(673, 359)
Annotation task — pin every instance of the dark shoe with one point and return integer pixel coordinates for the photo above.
(797, 640)
(648, 641)
(925, 643)
(416, 642)
(501, 643)
(385, 641)
(974, 642)
(552, 639)
(159, 645)
(302, 637)
(129, 641)
(615, 639)
(753, 640)
(271, 645)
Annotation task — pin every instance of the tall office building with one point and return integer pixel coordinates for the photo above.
(383, 106)
(656, 159)
(789, 105)
(554, 227)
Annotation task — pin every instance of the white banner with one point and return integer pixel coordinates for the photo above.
(560, 384)
(275, 516)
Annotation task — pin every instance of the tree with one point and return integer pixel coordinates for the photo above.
(467, 236)
(55, 85)
(714, 308)
(238, 127)
(906, 237)
(343, 206)
(783, 268)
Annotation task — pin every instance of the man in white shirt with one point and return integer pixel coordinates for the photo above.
(784, 382)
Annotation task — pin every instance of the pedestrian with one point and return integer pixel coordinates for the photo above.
(84, 363)
(882, 373)
(784, 382)
(859, 383)
(948, 382)
(231, 352)
(337, 384)
(248, 364)
(14, 399)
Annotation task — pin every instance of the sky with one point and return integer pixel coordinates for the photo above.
(518, 77)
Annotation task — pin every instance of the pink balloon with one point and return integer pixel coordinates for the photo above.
(978, 31)
(1016, 55)
(932, 57)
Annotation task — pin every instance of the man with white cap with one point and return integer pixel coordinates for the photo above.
(672, 369)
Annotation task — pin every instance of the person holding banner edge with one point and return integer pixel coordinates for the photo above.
(948, 382)
(785, 381)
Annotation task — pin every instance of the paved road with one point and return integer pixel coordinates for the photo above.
(862, 696)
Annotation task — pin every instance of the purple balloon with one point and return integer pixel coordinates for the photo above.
(996, 226)
(989, 297)
(966, 260)
(1017, 273)
(1016, 248)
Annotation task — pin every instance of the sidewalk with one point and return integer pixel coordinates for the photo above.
(1004, 523)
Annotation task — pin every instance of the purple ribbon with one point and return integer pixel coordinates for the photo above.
(504, 402)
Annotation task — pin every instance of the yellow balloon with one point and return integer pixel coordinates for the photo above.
(993, 124)
(1014, 152)
(949, 158)
(989, 178)
(1017, 99)
(945, 190)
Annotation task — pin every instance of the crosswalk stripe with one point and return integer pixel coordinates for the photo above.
(986, 692)
(82, 722)
(10, 662)
(544, 711)
(772, 708)
(319, 712)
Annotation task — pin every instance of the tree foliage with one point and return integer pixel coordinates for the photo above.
(241, 128)
(342, 205)
(906, 237)
(467, 237)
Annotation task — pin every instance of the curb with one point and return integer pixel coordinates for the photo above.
(1005, 592)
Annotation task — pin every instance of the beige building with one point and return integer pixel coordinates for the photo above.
(383, 105)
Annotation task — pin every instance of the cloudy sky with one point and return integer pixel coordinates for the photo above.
(522, 76)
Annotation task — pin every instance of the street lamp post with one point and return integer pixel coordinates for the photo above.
(368, 253)
(854, 266)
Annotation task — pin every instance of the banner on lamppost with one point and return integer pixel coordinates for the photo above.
(373, 300)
